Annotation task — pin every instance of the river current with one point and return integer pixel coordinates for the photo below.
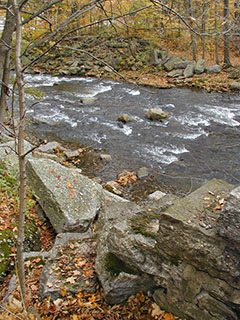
(199, 141)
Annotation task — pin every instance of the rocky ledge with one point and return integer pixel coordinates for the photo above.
(183, 252)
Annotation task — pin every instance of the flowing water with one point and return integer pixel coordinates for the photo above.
(198, 142)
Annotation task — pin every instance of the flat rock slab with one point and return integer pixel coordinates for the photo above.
(69, 199)
(70, 267)
(190, 208)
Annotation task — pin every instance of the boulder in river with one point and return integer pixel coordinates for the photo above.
(87, 100)
(156, 195)
(114, 187)
(157, 114)
(142, 172)
(124, 118)
(106, 157)
(71, 153)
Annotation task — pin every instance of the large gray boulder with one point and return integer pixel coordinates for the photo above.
(189, 70)
(214, 69)
(69, 199)
(181, 64)
(175, 73)
(170, 64)
(200, 66)
(191, 269)
(235, 85)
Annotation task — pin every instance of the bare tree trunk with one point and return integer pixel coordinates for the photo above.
(21, 155)
(194, 46)
(237, 22)
(204, 20)
(5, 49)
(216, 31)
(226, 32)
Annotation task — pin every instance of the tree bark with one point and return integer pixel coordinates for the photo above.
(194, 46)
(237, 22)
(226, 33)
(216, 31)
(5, 49)
(21, 155)
(204, 21)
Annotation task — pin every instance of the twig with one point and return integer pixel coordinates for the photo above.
(43, 9)
(7, 129)
(5, 44)
(6, 87)
(15, 315)
(37, 15)
(35, 147)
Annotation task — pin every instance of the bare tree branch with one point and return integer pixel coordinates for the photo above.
(38, 13)
(33, 15)
(184, 21)
(35, 147)
(80, 28)
(22, 4)
(5, 44)
(85, 8)
(12, 134)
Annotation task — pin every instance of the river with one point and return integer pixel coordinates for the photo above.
(200, 140)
